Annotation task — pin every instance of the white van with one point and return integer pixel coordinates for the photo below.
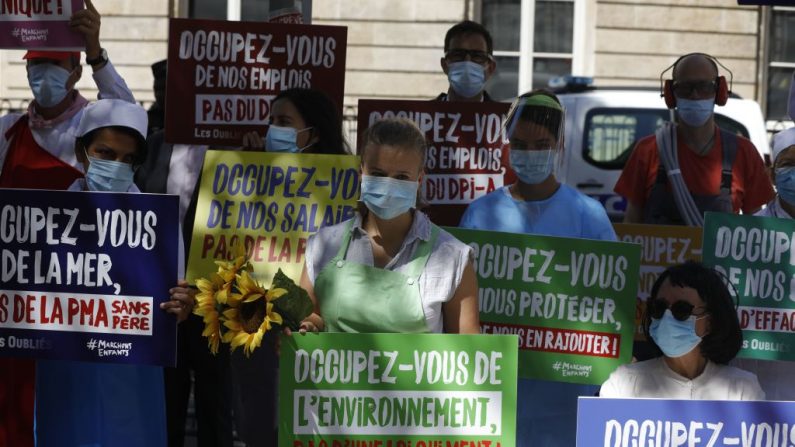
(603, 124)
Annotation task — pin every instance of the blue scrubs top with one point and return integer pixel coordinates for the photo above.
(85, 404)
(568, 213)
(546, 413)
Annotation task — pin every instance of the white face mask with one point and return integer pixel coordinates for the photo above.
(48, 83)
(531, 166)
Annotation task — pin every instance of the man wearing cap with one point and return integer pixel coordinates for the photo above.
(37, 151)
(467, 62)
(42, 140)
(783, 175)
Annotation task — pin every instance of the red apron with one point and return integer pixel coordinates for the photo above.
(27, 165)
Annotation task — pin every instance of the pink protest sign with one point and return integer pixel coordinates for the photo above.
(39, 24)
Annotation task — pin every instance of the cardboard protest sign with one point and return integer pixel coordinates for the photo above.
(756, 255)
(680, 423)
(83, 275)
(661, 247)
(570, 301)
(467, 152)
(222, 75)
(397, 390)
(39, 24)
(271, 203)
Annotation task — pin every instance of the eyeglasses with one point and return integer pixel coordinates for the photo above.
(701, 88)
(681, 310)
(476, 56)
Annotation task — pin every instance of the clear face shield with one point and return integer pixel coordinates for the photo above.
(534, 129)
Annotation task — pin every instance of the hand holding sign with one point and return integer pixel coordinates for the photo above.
(87, 22)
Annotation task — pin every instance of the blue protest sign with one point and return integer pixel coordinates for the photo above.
(680, 423)
(82, 275)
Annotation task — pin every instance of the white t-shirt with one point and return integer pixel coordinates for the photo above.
(653, 379)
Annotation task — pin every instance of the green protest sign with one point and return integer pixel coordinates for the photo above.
(397, 390)
(570, 301)
(756, 255)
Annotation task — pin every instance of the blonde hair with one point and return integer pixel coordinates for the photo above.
(399, 132)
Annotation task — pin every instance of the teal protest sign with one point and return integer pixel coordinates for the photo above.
(570, 301)
(756, 255)
(397, 390)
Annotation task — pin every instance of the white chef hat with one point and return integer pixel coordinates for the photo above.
(786, 138)
(113, 112)
(783, 140)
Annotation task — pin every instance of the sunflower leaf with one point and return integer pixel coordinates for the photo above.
(293, 306)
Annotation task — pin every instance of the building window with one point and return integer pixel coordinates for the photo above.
(782, 61)
(534, 41)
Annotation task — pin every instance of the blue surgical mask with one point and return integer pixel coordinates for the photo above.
(48, 83)
(785, 184)
(695, 112)
(675, 338)
(388, 198)
(108, 175)
(533, 167)
(283, 139)
(466, 77)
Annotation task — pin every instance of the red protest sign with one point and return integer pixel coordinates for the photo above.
(39, 24)
(222, 76)
(467, 152)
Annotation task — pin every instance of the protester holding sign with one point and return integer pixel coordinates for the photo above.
(36, 141)
(80, 403)
(775, 375)
(301, 120)
(467, 62)
(692, 319)
(36, 151)
(783, 169)
(539, 204)
(389, 269)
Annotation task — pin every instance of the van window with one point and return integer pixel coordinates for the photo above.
(611, 133)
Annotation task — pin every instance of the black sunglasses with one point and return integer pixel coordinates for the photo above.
(476, 56)
(702, 88)
(681, 310)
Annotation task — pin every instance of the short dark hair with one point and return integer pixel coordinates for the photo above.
(140, 142)
(549, 118)
(468, 27)
(320, 113)
(725, 338)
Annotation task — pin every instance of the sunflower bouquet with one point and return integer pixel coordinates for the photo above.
(237, 310)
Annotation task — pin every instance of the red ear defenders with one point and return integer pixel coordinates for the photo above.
(722, 91)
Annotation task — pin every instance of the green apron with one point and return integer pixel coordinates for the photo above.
(359, 298)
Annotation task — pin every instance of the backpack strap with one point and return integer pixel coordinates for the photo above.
(728, 145)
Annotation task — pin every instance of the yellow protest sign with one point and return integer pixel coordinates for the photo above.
(271, 203)
(661, 246)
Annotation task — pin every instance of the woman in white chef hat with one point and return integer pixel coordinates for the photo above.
(106, 404)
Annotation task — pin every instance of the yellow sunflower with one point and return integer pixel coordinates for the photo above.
(249, 322)
(228, 271)
(206, 307)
